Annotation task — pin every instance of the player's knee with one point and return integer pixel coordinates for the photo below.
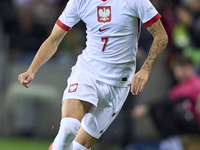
(75, 108)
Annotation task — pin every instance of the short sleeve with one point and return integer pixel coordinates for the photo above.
(145, 11)
(69, 16)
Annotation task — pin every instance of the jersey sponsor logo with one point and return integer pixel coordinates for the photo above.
(101, 30)
(104, 13)
(73, 88)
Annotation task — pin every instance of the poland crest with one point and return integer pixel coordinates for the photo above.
(73, 88)
(104, 13)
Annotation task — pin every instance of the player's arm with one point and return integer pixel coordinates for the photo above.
(159, 44)
(45, 52)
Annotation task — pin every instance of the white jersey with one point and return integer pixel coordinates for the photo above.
(113, 28)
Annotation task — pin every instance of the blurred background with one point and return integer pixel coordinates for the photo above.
(156, 119)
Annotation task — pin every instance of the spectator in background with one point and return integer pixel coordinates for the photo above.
(25, 34)
(180, 34)
(188, 84)
(186, 32)
(193, 51)
(30, 26)
(176, 118)
(40, 10)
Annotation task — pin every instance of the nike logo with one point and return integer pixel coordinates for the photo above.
(101, 30)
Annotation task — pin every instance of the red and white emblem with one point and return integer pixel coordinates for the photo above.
(73, 88)
(104, 13)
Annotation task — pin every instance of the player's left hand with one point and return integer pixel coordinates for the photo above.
(138, 81)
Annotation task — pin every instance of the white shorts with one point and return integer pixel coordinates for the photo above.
(107, 100)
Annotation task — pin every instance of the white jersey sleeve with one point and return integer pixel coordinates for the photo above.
(145, 11)
(69, 16)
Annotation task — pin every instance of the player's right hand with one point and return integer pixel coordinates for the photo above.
(138, 81)
(25, 78)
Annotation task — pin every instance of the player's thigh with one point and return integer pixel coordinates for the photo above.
(111, 100)
(85, 139)
(75, 108)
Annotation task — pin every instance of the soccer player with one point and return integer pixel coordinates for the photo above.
(104, 73)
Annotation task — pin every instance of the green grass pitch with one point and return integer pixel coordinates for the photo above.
(23, 144)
